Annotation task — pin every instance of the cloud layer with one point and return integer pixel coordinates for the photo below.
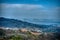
(29, 11)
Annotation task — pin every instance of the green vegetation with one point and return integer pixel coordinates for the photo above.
(27, 36)
(16, 37)
(2, 32)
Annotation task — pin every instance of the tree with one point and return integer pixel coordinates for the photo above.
(17, 37)
(2, 32)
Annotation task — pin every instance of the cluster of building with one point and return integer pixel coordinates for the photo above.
(19, 31)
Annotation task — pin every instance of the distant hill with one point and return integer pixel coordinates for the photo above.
(6, 22)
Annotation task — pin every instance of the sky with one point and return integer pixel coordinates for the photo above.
(30, 9)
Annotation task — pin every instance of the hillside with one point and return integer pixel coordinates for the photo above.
(6, 22)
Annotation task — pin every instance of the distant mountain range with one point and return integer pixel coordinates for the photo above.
(42, 21)
(6, 22)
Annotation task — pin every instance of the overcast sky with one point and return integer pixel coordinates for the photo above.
(30, 9)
